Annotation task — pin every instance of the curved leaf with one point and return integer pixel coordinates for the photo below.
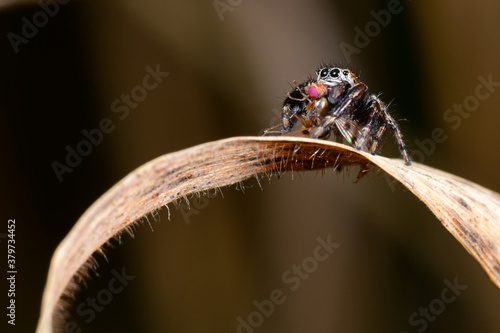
(470, 212)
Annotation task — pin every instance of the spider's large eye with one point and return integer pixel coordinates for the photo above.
(335, 72)
(324, 72)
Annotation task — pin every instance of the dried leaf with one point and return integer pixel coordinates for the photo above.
(470, 212)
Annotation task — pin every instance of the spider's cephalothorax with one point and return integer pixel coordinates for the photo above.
(337, 102)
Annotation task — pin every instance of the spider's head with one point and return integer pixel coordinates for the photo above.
(333, 76)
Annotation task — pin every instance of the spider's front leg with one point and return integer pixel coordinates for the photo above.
(398, 135)
(373, 133)
(345, 106)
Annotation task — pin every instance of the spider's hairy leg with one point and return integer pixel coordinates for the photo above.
(374, 109)
(376, 143)
(399, 137)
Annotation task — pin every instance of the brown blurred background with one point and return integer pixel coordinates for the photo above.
(230, 64)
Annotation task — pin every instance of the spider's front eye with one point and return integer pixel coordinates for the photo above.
(335, 72)
(346, 73)
(324, 72)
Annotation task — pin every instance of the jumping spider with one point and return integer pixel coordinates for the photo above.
(338, 102)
